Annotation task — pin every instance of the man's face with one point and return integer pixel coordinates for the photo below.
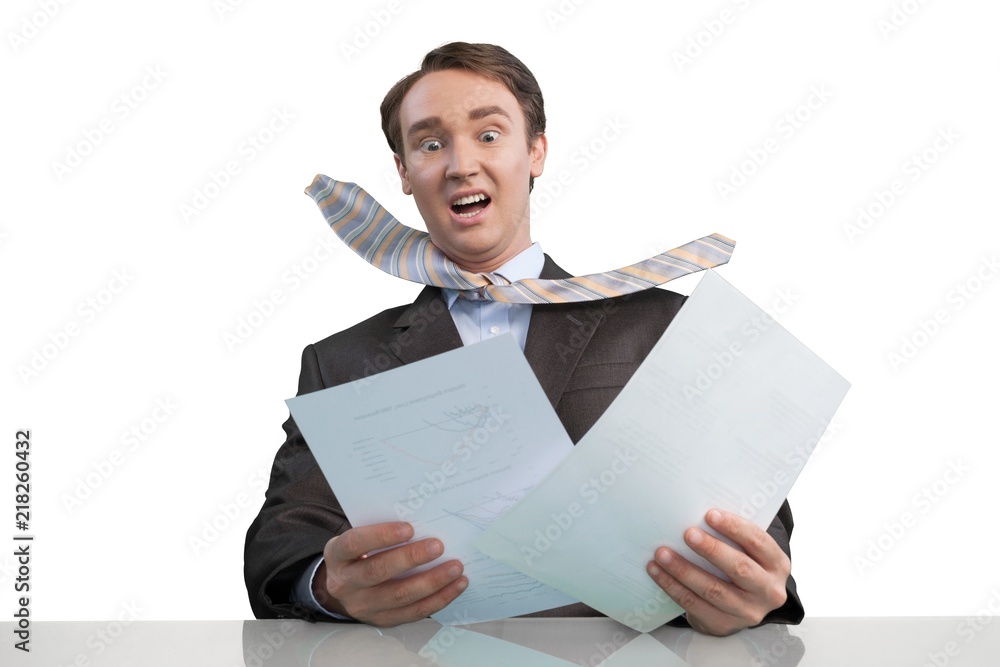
(464, 141)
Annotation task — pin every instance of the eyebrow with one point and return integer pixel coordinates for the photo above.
(474, 114)
(483, 112)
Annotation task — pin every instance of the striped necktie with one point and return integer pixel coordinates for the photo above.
(383, 241)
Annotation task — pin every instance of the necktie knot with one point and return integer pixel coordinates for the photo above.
(382, 240)
(495, 279)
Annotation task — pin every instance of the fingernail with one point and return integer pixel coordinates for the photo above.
(715, 517)
(663, 556)
(695, 536)
(463, 584)
(434, 548)
(654, 570)
(454, 570)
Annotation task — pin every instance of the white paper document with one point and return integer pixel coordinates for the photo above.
(448, 444)
(723, 412)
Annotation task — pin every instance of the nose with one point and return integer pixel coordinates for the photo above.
(463, 160)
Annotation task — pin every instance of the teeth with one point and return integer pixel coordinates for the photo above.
(470, 199)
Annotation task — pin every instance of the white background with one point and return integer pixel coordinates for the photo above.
(677, 130)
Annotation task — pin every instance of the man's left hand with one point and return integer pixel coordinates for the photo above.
(715, 606)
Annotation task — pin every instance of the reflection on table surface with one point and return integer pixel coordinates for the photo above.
(591, 642)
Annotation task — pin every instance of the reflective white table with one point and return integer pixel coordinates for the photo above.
(937, 642)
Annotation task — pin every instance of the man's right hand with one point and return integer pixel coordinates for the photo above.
(366, 588)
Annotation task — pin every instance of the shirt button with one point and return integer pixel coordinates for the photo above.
(494, 330)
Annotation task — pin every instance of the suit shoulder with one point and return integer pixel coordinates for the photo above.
(642, 316)
(654, 297)
(657, 306)
(374, 345)
(376, 328)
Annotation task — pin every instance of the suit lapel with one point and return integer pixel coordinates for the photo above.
(558, 334)
(425, 328)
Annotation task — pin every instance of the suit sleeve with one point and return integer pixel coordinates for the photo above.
(299, 515)
(781, 530)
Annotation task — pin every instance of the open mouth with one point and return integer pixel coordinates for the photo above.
(468, 206)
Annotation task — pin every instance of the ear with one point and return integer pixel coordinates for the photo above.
(539, 149)
(401, 168)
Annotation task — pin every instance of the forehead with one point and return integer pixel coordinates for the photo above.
(451, 97)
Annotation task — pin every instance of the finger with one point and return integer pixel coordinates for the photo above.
(708, 615)
(702, 590)
(740, 568)
(391, 563)
(757, 544)
(358, 542)
(418, 596)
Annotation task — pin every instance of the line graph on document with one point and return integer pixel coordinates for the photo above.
(482, 514)
(431, 443)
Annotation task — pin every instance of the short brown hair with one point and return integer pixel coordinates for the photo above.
(488, 60)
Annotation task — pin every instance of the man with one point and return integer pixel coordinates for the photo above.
(467, 135)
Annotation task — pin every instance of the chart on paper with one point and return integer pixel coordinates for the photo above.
(448, 444)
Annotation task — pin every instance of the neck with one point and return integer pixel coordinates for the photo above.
(491, 264)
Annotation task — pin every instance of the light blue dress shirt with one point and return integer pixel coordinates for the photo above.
(476, 321)
(481, 320)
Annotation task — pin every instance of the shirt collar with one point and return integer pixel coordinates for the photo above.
(526, 264)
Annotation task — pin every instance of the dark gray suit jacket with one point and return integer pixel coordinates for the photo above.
(583, 354)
